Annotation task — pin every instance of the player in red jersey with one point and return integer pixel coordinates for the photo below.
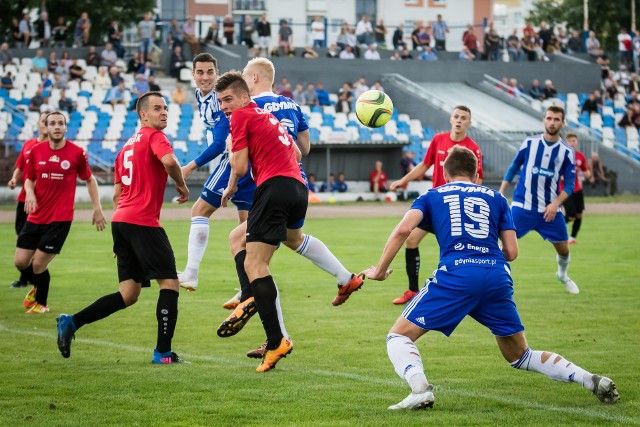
(279, 204)
(139, 242)
(436, 154)
(50, 188)
(18, 174)
(574, 205)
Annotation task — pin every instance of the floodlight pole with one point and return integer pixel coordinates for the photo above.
(586, 15)
(633, 16)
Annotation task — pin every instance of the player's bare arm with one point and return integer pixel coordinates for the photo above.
(172, 166)
(188, 169)
(551, 209)
(298, 153)
(232, 188)
(117, 192)
(98, 216)
(416, 172)
(240, 162)
(30, 203)
(304, 142)
(509, 244)
(503, 187)
(15, 178)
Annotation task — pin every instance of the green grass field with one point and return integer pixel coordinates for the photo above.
(339, 373)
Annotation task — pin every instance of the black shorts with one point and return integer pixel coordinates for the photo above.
(574, 204)
(21, 217)
(280, 203)
(48, 238)
(144, 253)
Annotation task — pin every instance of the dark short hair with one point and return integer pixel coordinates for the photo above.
(231, 80)
(555, 109)
(205, 57)
(53, 113)
(143, 102)
(461, 162)
(570, 135)
(463, 108)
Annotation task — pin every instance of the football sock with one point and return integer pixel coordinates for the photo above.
(23, 277)
(553, 366)
(406, 360)
(245, 285)
(27, 274)
(167, 315)
(576, 227)
(412, 258)
(318, 253)
(198, 239)
(266, 296)
(101, 308)
(279, 311)
(563, 265)
(41, 282)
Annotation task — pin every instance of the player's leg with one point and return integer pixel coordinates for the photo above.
(412, 259)
(201, 211)
(570, 212)
(236, 244)
(22, 261)
(556, 232)
(41, 280)
(167, 316)
(516, 351)
(577, 223)
(21, 219)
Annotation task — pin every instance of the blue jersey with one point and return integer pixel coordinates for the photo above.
(467, 220)
(285, 110)
(216, 126)
(541, 166)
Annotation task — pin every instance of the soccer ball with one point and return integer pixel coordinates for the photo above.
(374, 108)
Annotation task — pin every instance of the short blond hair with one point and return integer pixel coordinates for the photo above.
(264, 67)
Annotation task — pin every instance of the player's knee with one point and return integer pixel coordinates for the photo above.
(39, 266)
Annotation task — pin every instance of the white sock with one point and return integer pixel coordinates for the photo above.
(198, 239)
(554, 366)
(279, 310)
(406, 360)
(563, 265)
(318, 253)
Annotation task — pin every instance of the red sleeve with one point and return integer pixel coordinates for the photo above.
(583, 165)
(430, 157)
(159, 144)
(479, 157)
(84, 171)
(238, 127)
(117, 174)
(30, 171)
(20, 161)
(371, 175)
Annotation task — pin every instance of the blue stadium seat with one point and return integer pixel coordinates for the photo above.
(314, 135)
(365, 135)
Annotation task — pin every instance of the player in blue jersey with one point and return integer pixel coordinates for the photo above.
(541, 162)
(473, 278)
(205, 74)
(259, 74)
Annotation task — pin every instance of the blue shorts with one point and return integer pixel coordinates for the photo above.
(218, 181)
(525, 221)
(484, 293)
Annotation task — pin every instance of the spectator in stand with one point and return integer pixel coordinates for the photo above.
(575, 43)
(528, 30)
(424, 36)
(108, 56)
(134, 63)
(317, 32)
(6, 57)
(65, 60)
(635, 46)
(550, 91)
(115, 38)
(76, 72)
(228, 29)
(176, 35)
(311, 183)
(340, 184)
(60, 33)
(102, 79)
(377, 86)
(248, 28)
(39, 63)
(364, 31)
(309, 96)
(395, 56)
(634, 83)
(323, 95)
(328, 185)
(360, 87)
(43, 29)
(598, 172)
(286, 91)
(562, 40)
(610, 86)
(353, 42)
(406, 53)
(513, 47)
(61, 80)
(146, 35)
(529, 47)
(298, 97)
(178, 96)
(545, 36)
(381, 34)
(213, 36)
(153, 86)
(515, 88)
(189, 35)
(92, 57)
(492, 42)
(66, 104)
(593, 45)
(624, 47)
(398, 37)
(177, 62)
(283, 82)
(440, 30)
(631, 117)
(407, 163)
(347, 53)
(372, 52)
(536, 91)
(309, 53)
(140, 87)
(114, 75)
(37, 101)
(428, 55)
(415, 40)
(25, 30)
(147, 70)
(116, 94)
(378, 181)
(333, 51)
(82, 29)
(466, 55)
(263, 28)
(7, 81)
(52, 63)
(592, 103)
(345, 98)
(470, 41)
(285, 37)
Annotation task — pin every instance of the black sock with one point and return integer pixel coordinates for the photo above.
(245, 285)
(412, 258)
(101, 308)
(41, 282)
(576, 227)
(27, 274)
(567, 220)
(167, 315)
(265, 293)
(23, 277)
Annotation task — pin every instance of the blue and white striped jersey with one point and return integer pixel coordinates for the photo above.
(541, 166)
(217, 126)
(285, 110)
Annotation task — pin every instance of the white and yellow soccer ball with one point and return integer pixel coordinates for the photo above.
(374, 108)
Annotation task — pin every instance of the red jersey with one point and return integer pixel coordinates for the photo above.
(271, 151)
(382, 179)
(55, 173)
(21, 163)
(581, 164)
(439, 150)
(140, 171)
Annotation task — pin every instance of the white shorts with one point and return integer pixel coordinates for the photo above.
(263, 42)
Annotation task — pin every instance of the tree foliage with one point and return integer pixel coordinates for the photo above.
(606, 17)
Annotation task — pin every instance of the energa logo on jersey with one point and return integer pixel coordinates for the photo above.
(542, 171)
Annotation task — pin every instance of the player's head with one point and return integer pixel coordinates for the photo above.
(205, 72)
(259, 74)
(460, 121)
(553, 120)
(152, 110)
(42, 126)
(233, 92)
(460, 163)
(572, 139)
(56, 126)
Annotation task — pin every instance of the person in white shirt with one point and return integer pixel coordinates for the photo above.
(317, 32)
(347, 53)
(364, 31)
(372, 52)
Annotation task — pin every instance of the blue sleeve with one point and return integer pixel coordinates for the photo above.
(217, 147)
(422, 204)
(302, 122)
(568, 171)
(506, 218)
(517, 163)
